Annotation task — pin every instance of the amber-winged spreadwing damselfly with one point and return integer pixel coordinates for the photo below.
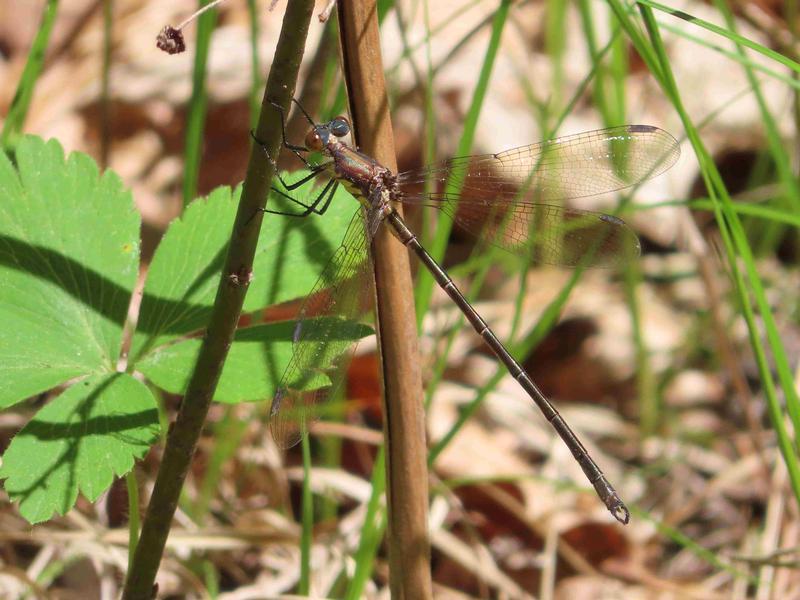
(509, 198)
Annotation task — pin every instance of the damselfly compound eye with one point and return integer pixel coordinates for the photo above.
(313, 141)
(340, 126)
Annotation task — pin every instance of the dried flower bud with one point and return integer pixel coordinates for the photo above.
(170, 40)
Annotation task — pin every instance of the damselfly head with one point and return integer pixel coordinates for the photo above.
(317, 138)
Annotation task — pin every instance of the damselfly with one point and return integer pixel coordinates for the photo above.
(506, 198)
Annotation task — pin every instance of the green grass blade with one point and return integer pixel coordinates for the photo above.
(484, 263)
(646, 383)
(228, 433)
(705, 554)
(547, 321)
(256, 80)
(15, 120)
(744, 60)
(768, 213)
(195, 120)
(105, 82)
(737, 249)
(429, 144)
(451, 19)
(132, 486)
(555, 46)
(602, 72)
(776, 147)
(424, 287)
(307, 516)
(726, 33)
(372, 532)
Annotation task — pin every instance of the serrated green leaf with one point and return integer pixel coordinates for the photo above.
(79, 442)
(183, 277)
(255, 363)
(69, 249)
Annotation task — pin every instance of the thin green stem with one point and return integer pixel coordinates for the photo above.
(255, 63)
(15, 120)
(105, 82)
(195, 120)
(132, 485)
(424, 287)
(721, 31)
(738, 252)
(307, 514)
(371, 532)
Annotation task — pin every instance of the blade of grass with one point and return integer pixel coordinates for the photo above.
(789, 80)
(429, 120)
(602, 72)
(255, 63)
(769, 213)
(705, 554)
(132, 485)
(105, 82)
(307, 515)
(547, 321)
(451, 19)
(372, 531)
(210, 576)
(228, 433)
(646, 383)
(791, 187)
(612, 107)
(479, 275)
(728, 34)
(198, 103)
(555, 46)
(619, 70)
(736, 247)
(424, 287)
(15, 120)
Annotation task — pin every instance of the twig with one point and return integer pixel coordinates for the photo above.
(188, 425)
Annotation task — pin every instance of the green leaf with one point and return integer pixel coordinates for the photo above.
(184, 275)
(69, 249)
(79, 442)
(255, 364)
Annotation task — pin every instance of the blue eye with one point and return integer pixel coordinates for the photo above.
(340, 126)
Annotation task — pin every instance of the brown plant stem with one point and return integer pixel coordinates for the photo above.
(404, 427)
(186, 429)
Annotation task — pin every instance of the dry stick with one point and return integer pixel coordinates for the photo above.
(404, 427)
(186, 429)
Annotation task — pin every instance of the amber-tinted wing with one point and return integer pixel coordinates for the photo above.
(512, 199)
(323, 338)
